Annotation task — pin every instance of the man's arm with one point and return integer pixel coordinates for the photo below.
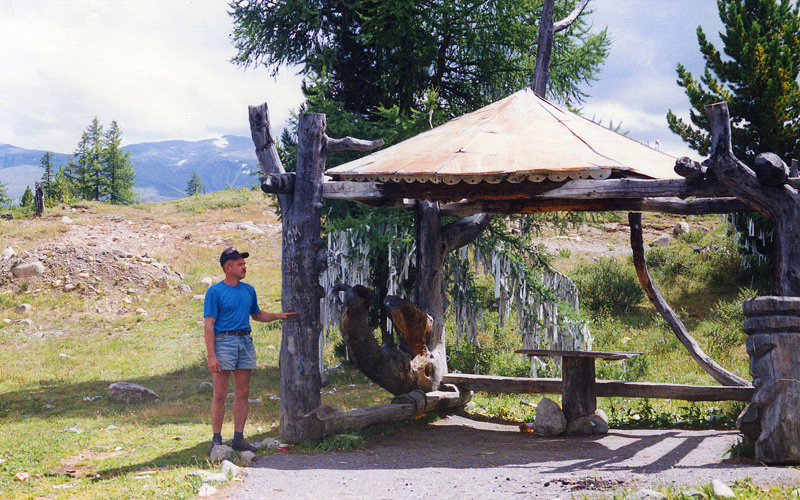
(266, 317)
(208, 331)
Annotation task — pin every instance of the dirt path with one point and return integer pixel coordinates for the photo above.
(459, 458)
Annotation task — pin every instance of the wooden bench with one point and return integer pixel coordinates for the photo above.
(578, 393)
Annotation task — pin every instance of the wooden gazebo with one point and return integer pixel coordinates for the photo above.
(519, 155)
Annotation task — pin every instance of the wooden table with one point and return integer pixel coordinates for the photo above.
(578, 395)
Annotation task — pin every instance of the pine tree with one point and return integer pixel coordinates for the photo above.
(47, 178)
(5, 200)
(757, 77)
(195, 185)
(26, 201)
(86, 172)
(117, 169)
(62, 190)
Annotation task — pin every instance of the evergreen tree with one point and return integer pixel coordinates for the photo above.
(195, 185)
(26, 201)
(86, 172)
(61, 186)
(757, 77)
(117, 169)
(5, 200)
(373, 54)
(47, 178)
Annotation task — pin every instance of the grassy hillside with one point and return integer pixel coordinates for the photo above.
(108, 309)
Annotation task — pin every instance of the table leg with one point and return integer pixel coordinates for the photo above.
(578, 395)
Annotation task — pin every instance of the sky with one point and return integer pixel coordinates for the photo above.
(161, 69)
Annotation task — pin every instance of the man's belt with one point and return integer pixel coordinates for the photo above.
(238, 333)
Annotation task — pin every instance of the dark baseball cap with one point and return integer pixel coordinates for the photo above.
(231, 253)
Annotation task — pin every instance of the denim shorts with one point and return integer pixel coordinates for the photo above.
(234, 352)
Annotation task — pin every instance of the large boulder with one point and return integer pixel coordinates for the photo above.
(127, 392)
(28, 270)
(550, 419)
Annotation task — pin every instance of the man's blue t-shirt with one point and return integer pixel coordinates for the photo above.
(230, 306)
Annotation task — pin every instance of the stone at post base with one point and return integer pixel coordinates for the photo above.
(773, 344)
(550, 420)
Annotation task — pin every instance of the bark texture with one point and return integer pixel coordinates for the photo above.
(773, 324)
(399, 369)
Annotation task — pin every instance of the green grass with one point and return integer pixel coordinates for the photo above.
(73, 352)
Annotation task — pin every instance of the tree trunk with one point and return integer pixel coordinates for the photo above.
(773, 324)
(544, 47)
(302, 259)
(334, 420)
(399, 369)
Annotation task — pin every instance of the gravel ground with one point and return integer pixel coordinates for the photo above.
(460, 458)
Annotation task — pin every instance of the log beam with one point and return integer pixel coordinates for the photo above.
(329, 420)
(603, 388)
(582, 189)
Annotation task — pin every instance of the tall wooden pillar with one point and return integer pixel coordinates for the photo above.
(772, 421)
(302, 259)
(773, 324)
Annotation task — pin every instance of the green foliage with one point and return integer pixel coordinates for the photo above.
(377, 54)
(100, 169)
(710, 258)
(608, 284)
(5, 200)
(48, 177)
(757, 77)
(337, 442)
(26, 201)
(62, 190)
(469, 357)
(633, 369)
(194, 185)
(118, 169)
(645, 416)
(724, 327)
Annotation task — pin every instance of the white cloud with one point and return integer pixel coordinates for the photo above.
(160, 69)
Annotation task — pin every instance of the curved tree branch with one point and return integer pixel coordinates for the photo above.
(719, 373)
(462, 232)
(571, 18)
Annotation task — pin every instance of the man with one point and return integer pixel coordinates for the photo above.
(230, 347)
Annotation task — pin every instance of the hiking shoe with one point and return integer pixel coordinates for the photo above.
(242, 445)
(214, 442)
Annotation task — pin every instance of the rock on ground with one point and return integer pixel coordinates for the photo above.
(681, 228)
(28, 270)
(661, 241)
(550, 419)
(126, 392)
(721, 490)
(8, 253)
(220, 452)
(648, 494)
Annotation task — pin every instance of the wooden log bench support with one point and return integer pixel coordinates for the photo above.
(603, 388)
(578, 392)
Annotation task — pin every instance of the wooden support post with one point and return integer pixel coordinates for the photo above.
(579, 395)
(301, 291)
(773, 325)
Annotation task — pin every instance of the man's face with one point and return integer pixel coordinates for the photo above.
(236, 269)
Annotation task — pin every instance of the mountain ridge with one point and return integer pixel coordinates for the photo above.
(163, 168)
